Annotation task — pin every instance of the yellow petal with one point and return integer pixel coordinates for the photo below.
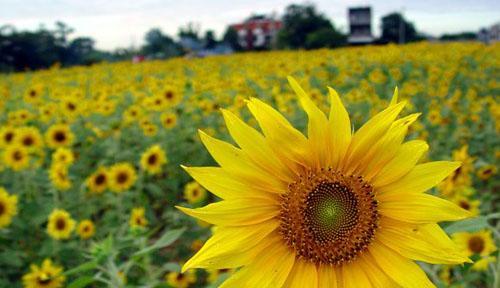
(270, 269)
(254, 144)
(354, 276)
(405, 159)
(318, 132)
(327, 276)
(385, 148)
(220, 183)
(420, 208)
(340, 129)
(235, 212)
(402, 270)
(368, 134)
(236, 163)
(286, 141)
(377, 277)
(421, 178)
(428, 242)
(394, 99)
(303, 274)
(228, 242)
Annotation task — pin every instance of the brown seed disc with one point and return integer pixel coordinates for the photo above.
(328, 217)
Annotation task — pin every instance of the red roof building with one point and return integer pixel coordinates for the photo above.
(258, 32)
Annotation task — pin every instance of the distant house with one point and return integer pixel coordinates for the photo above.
(489, 35)
(360, 25)
(257, 32)
(195, 48)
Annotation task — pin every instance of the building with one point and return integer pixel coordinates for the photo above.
(360, 25)
(257, 32)
(489, 35)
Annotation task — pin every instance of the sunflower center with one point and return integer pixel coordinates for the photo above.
(122, 177)
(152, 159)
(44, 279)
(60, 136)
(2, 208)
(100, 179)
(328, 217)
(476, 244)
(28, 141)
(8, 137)
(18, 156)
(464, 204)
(330, 211)
(60, 224)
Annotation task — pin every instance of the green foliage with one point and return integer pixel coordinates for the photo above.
(396, 29)
(305, 27)
(159, 45)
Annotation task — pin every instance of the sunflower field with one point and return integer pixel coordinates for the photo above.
(94, 159)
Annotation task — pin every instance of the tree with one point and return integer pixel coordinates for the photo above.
(231, 38)
(300, 21)
(459, 36)
(81, 51)
(159, 45)
(191, 30)
(396, 29)
(209, 40)
(325, 37)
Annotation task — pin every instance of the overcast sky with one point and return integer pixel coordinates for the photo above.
(123, 23)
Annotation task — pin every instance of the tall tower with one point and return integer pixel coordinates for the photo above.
(360, 25)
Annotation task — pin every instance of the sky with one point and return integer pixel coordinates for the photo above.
(118, 24)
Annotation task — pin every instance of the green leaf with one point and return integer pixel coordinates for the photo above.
(81, 282)
(165, 240)
(469, 225)
(82, 268)
(169, 237)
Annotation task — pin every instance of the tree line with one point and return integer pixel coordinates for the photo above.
(304, 27)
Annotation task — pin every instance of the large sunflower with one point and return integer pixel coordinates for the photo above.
(334, 209)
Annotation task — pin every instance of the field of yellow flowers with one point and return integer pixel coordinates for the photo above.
(90, 169)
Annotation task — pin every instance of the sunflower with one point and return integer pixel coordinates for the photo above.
(170, 96)
(213, 275)
(180, 280)
(8, 207)
(98, 181)
(121, 177)
(7, 135)
(153, 159)
(85, 229)
(329, 210)
(70, 107)
(47, 275)
(149, 129)
(60, 224)
(470, 205)
(16, 158)
(138, 218)
(63, 156)
(29, 137)
(194, 193)
(168, 120)
(58, 175)
(486, 171)
(478, 243)
(460, 178)
(59, 135)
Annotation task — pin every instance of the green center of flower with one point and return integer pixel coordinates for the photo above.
(327, 217)
(331, 211)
